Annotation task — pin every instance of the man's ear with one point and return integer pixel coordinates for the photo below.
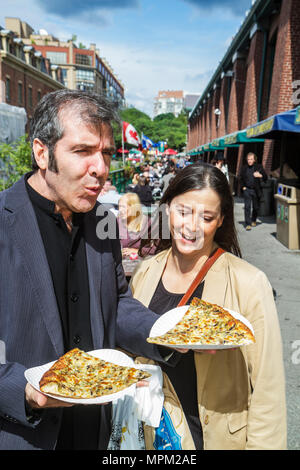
(41, 154)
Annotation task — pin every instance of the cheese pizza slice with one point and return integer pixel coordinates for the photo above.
(77, 374)
(207, 324)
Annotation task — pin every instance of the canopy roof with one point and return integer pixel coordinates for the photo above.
(274, 126)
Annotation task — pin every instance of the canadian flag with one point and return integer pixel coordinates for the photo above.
(130, 135)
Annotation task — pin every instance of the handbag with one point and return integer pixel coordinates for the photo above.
(166, 435)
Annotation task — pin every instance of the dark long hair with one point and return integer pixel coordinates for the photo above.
(196, 176)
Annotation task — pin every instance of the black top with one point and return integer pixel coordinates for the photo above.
(183, 375)
(248, 177)
(66, 257)
(144, 193)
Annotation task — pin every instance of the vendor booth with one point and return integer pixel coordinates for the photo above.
(285, 127)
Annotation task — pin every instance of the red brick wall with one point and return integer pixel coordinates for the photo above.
(44, 49)
(237, 96)
(243, 105)
(286, 67)
(18, 76)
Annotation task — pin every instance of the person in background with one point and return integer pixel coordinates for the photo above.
(168, 176)
(250, 179)
(143, 190)
(230, 398)
(220, 163)
(132, 222)
(108, 186)
(134, 182)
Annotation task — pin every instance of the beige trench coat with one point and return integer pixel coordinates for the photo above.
(241, 392)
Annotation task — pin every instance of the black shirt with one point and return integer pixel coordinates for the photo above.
(249, 178)
(66, 257)
(144, 193)
(183, 375)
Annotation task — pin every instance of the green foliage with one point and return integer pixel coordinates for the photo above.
(165, 127)
(15, 161)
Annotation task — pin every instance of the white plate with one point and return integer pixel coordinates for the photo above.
(169, 319)
(35, 374)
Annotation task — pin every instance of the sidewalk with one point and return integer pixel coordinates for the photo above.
(282, 266)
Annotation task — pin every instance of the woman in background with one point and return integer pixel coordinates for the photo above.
(132, 222)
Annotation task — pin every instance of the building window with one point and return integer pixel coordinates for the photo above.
(20, 93)
(83, 86)
(83, 59)
(7, 90)
(39, 95)
(30, 97)
(65, 77)
(85, 74)
(57, 58)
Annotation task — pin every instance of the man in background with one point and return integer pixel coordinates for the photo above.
(250, 178)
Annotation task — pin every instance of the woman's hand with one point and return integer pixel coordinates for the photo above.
(206, 351)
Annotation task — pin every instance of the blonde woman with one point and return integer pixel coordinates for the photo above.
(132, 222)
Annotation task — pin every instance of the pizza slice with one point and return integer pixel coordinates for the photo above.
(206, 324)
(78, 374)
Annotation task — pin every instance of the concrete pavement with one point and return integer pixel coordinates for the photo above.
(282, 266)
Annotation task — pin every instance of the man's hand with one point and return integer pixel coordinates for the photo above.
(257, 174)
(37, 400)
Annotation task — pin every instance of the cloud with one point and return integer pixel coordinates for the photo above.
(73, 8)
(237, 7)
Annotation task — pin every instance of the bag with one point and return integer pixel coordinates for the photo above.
(127, 430)
(140, 405)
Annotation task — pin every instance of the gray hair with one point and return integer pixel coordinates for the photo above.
(47, 127)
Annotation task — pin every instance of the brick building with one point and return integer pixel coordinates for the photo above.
(82, 68)
(25, 75)
(257, 78)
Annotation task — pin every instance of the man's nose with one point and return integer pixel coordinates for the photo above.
(98, 166)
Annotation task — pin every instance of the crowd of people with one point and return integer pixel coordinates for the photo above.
(63, 287)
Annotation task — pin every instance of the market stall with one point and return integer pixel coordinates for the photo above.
(285, 127)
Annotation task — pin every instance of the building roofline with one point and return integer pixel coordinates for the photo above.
(257, 10)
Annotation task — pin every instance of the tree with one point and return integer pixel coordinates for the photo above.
(165, 127)
(15, 161)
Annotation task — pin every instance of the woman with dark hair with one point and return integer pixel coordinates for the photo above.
(220, 399)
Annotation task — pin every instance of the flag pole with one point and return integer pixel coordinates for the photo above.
(123, 144)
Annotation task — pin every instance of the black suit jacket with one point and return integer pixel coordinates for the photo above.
(257, 181)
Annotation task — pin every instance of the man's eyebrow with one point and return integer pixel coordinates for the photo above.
(82, 145)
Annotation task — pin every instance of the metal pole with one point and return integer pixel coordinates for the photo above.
(123, 156)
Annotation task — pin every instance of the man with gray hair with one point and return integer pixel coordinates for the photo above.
(61, 285)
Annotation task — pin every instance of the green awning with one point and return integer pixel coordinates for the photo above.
(239, 137)
(205, 148)
(220, 144)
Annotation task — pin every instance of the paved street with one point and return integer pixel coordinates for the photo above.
(282, 266)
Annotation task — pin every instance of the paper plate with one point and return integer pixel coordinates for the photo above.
(35, 374)
(169, 319)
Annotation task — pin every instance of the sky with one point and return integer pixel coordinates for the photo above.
(151, 45)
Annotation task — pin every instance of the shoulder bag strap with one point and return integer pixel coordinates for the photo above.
(207, 265)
